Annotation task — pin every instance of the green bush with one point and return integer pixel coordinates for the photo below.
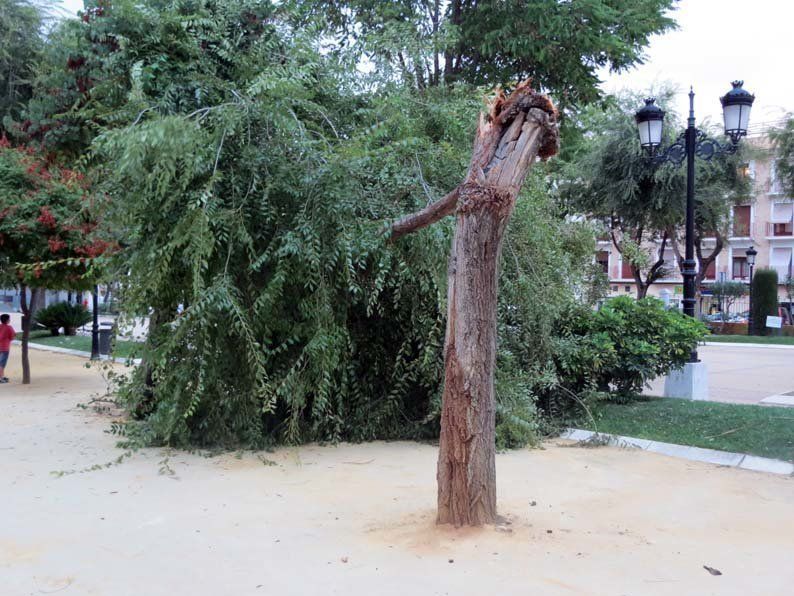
(625, 345)
(63, 314)
(764, 299)
(48, 317)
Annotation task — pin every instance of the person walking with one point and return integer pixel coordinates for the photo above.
(7, 335)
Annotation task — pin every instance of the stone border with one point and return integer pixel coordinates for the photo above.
(710, 456)
(737, 344)
(58, 350)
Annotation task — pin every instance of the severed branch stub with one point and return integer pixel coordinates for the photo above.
(517, 129)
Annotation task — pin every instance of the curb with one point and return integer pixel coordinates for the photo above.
(80, 353)
(710, 456)
(736, 344)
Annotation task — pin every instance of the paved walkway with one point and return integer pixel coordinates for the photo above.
(747, 374)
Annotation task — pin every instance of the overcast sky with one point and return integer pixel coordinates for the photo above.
(717, 41)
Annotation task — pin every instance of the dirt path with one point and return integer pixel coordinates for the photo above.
(358, 519)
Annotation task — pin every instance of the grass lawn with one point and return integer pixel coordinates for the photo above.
(752, 339)
(123, 349)
(759, 430)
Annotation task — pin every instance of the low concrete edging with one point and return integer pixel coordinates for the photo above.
(71, 352)
(711, 456)
(736, 344)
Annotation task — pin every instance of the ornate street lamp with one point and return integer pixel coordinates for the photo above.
(692, 142)
(750, 254)
(736, 105)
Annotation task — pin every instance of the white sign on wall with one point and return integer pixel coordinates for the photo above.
(774, 322)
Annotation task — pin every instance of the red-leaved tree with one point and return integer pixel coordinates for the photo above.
(49, 231)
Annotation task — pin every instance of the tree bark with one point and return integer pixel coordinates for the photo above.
(515, 132)
(28, 310)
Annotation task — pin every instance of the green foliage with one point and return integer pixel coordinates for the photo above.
(726, 292)
(561, 45)
(608, 177)
(544, 274)
(625, 345)
(21, 24)
(48, 226)
(63, 314)
(251, 170)
(764, 299)
(260, 210)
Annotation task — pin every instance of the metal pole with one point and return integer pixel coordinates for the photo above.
(750, 305)
(95, 326)
(689, 257)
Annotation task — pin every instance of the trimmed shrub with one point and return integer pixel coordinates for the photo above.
(48, 317)
(63, 314)
(764, 299)
(625, 345)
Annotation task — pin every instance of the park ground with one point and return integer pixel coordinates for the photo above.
(746, 374)
(358, 519)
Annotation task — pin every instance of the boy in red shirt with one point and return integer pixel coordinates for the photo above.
(7, 334)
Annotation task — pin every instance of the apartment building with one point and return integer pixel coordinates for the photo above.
(766, 223)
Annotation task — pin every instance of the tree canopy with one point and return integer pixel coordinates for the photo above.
(642, 205)
(252, 155)
(21, 40)
(560, 45)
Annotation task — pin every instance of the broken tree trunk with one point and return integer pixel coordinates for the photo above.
(515, 131)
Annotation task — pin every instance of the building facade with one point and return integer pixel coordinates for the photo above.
(766, 222)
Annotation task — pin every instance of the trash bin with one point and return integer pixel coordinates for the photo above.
(105, 335)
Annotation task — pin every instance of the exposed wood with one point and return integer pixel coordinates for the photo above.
(516, 130)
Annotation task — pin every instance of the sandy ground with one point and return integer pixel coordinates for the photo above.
(744, 375)
(358, 519)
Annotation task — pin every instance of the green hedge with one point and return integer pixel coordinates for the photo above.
(764, 300)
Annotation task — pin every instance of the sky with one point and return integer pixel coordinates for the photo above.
(717, 42)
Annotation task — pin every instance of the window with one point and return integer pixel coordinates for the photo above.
(781, 224)
(740, 268)
(741, 220)
(602, 258)
(775, 188)
(747, 170)
(625, 271)
(781, 261)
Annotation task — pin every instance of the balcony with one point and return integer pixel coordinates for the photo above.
(783, 272)
(780, 229)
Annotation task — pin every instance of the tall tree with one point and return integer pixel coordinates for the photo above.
(21, 37)
(560, 45)
(515, 131)
(48, 230)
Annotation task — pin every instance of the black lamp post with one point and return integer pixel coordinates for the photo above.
(750, 253)
(95, 326)
(692, 142)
